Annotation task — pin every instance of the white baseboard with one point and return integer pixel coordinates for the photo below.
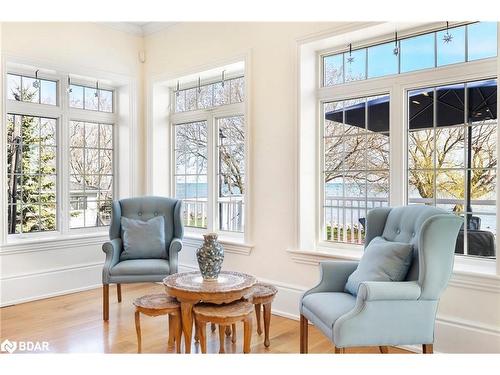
(49, 283)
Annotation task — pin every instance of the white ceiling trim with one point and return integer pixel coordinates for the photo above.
(138, 28)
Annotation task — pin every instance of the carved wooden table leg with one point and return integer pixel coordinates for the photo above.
(257, 314)
(187, 324)
(247, 335)
(138, 330)
(228, 331)
(196, 332)
(202, 327)
(177, 332)
(233, 338)
(212, 327)
(171, 330)
(222, 338)
(267, 323)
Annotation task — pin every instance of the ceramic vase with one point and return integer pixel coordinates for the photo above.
(210, 257)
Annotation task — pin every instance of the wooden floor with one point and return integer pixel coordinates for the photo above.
(73, 324)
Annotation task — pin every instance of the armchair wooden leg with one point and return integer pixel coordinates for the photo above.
(303, 334)
(119, 292)
(105, 302)
(339, 350)
(383, 349)
(427, 348)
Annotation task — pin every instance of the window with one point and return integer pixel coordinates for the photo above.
(231, 172)
(91, 174)
(191, 160)
(31, 90)
(355, 165)
(440, 150)
(32, 174)
(91, 98)
(452, 157)
(42, 139)
(208, 131)
(230, 91)
(425, 51)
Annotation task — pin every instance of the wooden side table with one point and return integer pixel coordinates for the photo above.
(156, 305)
(224, 315)
(189, 288)
(262, 297)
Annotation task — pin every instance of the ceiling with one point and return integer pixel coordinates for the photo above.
(139, 28)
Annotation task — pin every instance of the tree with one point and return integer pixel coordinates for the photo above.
(31, 169)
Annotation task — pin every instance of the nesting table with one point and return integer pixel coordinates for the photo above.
(189, 288)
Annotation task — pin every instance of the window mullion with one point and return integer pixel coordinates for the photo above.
(212, 196)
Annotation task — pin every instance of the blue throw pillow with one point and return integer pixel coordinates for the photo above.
(143, 239)
(382, 261)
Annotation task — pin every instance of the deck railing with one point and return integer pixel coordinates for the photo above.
(231, 214)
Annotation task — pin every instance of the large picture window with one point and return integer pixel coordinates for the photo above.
(209, 172)
(56, 151)
(452, 157)
(355, 165)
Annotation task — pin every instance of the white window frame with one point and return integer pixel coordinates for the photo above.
(63, 115)
(211, 116)
(397, 86)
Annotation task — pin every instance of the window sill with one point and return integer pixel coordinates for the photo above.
(54, 242)
(231, 244)
(313, 257)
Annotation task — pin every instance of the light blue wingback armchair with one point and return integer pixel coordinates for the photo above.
(116, 271)
(387, 313)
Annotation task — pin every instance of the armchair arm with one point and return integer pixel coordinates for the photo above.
(333, 276)
(175, 247)
(112, 249)
(389, 291)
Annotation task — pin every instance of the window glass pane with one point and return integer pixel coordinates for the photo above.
(421, 108)
(180, 101)
(191, 185)
(378, 113)
(333, 70)
(356, 165)
(355, 65)
(453, 164)
(237, 90)
(13, 87)
(30, 92)
(231, 169)
(105, 101)
(106, 136)
(222, 94)
(91, 99)
(76, 97)
(382, 61)
(450, 46)
(190, 99)
(417, 53)
(205, 96)
(31, 154)
(91, 135)
(450, 105)
(48, 92)
(481, 40)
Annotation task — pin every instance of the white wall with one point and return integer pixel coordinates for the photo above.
(469, 314)
(46, 268)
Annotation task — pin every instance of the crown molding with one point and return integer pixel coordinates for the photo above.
(138, 28)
